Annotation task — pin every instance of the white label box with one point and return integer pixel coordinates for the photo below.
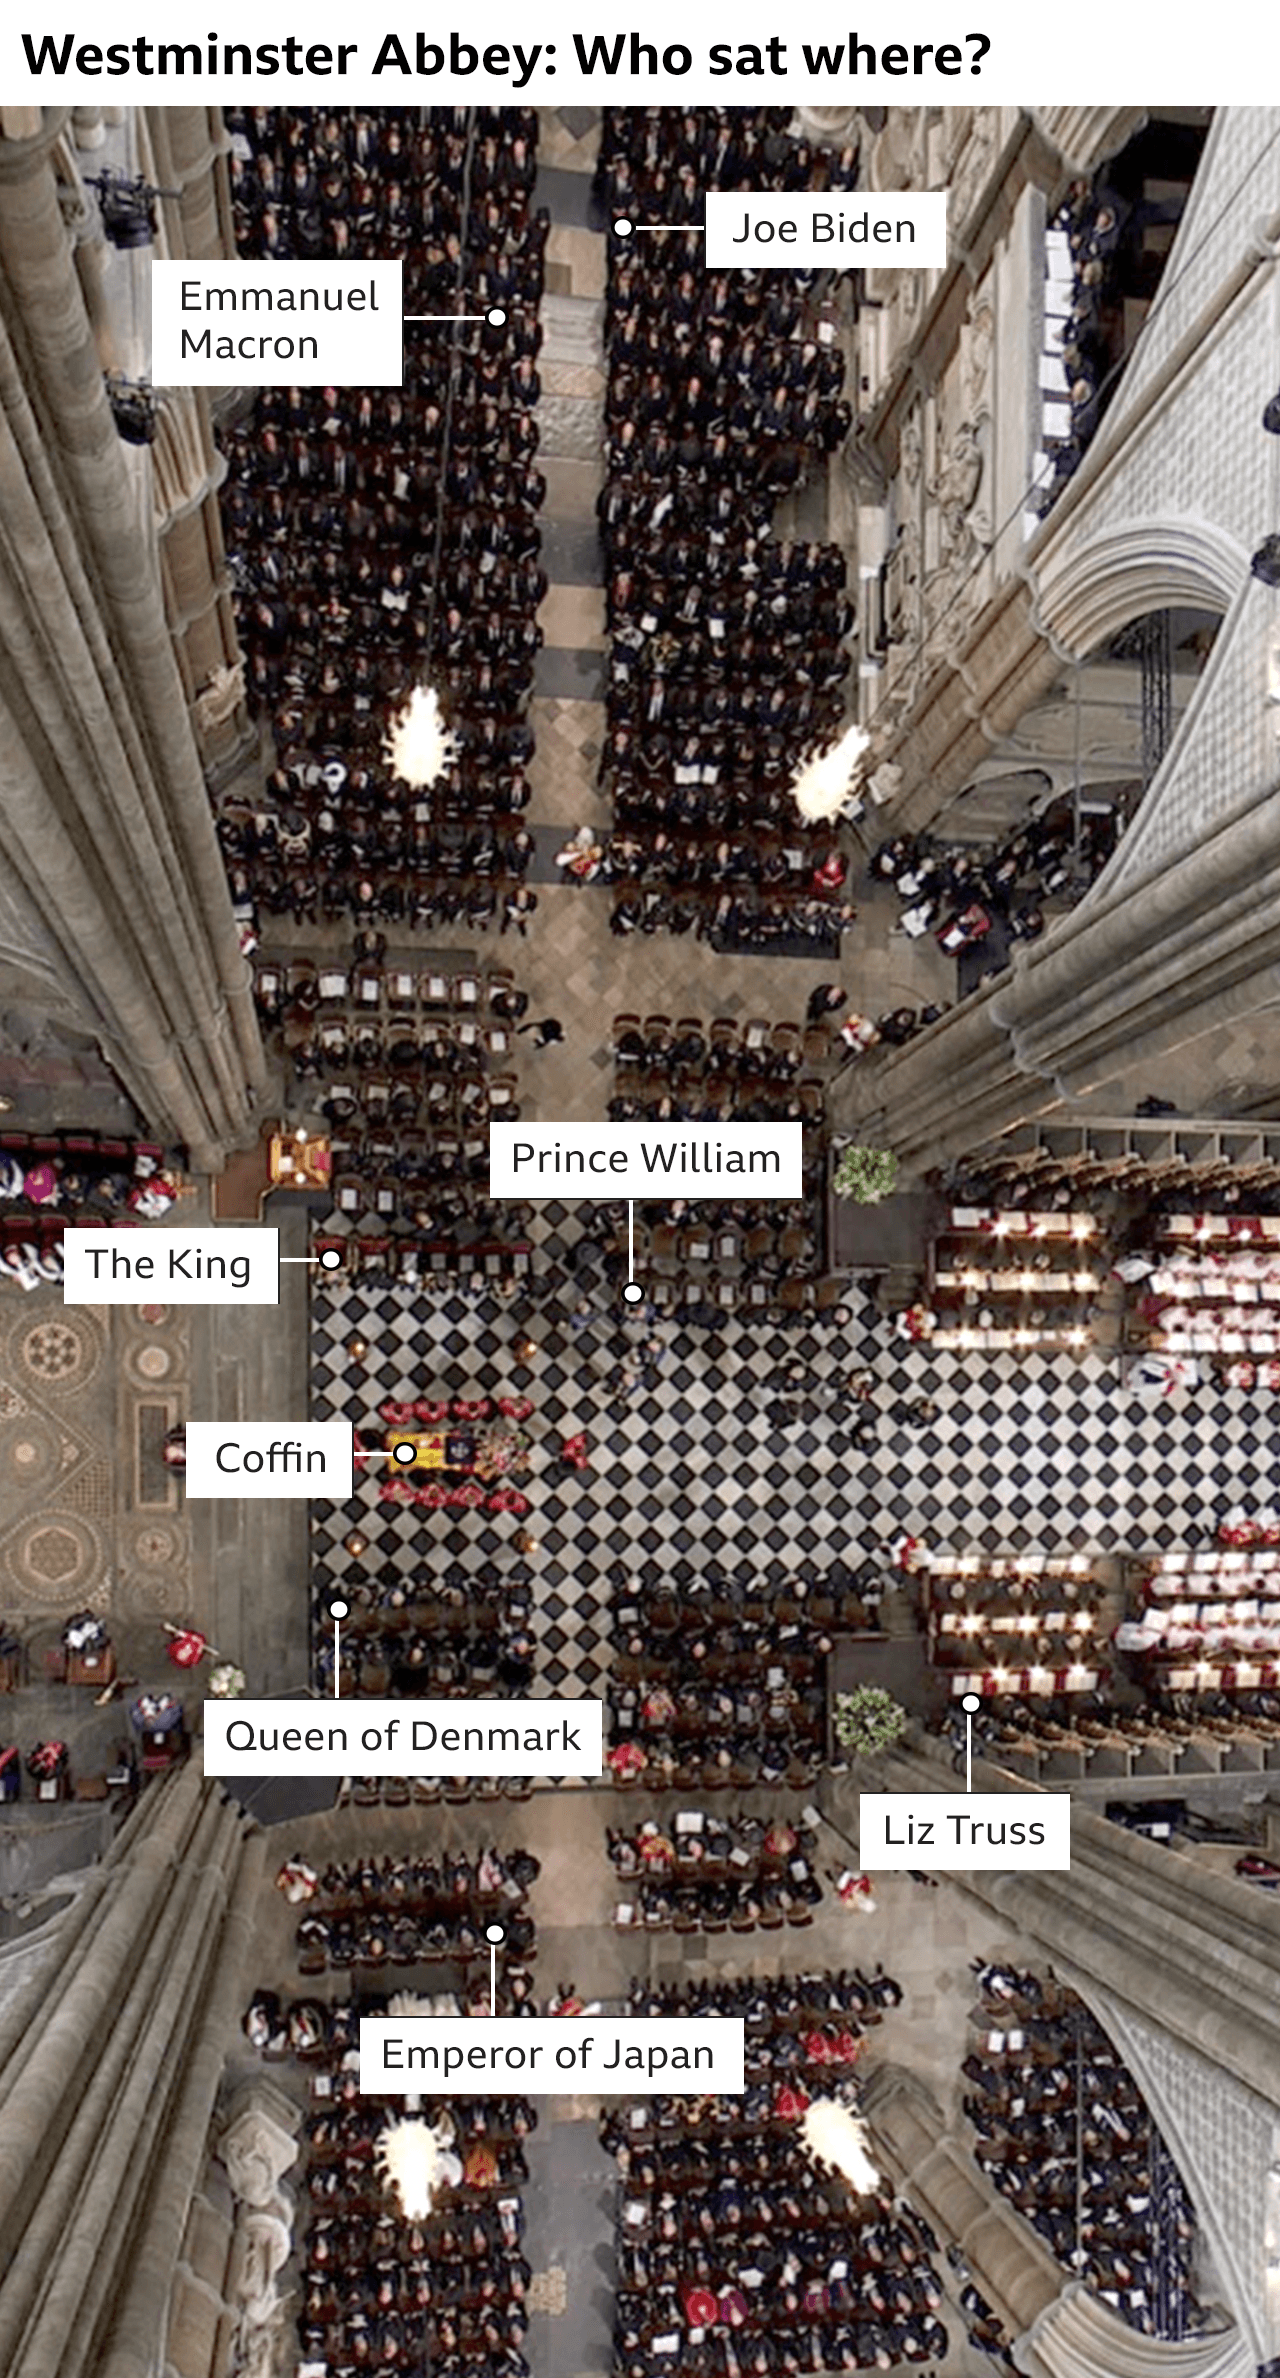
(552, 2055)
(264, 325)
(404, 1737)
(845, 230)
(967, 1832)
(646, 1160)
(270, 1458)
(170, 1267)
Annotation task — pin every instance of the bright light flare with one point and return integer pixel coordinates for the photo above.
(834, 2136)
(413, 2157)
(823, 784)
(419, 747)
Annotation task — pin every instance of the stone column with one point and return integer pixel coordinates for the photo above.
(1013, 2267)
(257, 2147)
(110, 842)
(185, 149)
(1192, 1950)
(1059, 2329)
(111, 2063)
(1124, 979)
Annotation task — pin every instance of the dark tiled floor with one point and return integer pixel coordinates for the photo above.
(568, 675)
(568, 197)
(571, 552)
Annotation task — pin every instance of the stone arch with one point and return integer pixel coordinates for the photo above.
(1131, 856)
(1224, 2140)
(1104, 583)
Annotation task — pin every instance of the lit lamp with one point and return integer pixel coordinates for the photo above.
(835, 2137)
(357, 1348)
(527, 1544)
(355, 1544)
(419, 748)
(824, 783)
(525, 1349)
(415, 2160)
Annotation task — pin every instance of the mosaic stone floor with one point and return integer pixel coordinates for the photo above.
(88, 1513)
(693, 1469)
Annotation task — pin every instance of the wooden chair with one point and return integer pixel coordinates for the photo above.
(269, 985)
(350, 1194)
(334, 986)
(300, 983)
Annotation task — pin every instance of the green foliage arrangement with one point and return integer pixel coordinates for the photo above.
(868, 1719)
(866, 1175)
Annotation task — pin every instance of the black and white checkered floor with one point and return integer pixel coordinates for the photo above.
(693, 1471)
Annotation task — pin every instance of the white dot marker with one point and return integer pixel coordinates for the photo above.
(494, 1933)
(331, 1259)
(338, 1609)
(497, 315)
(404, 1454)
(633, 1293)
(971, 1703)
(624, 227)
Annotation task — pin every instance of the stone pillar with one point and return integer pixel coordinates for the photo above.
(1123, 980)
(109, 843)
(111, 2063)
(186, 153)
(1013, 2267)
(1192, 1950)
(1059, 2329)
(257, 2147)
(87, 128)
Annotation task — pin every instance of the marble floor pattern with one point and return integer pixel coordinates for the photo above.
(693, 1472)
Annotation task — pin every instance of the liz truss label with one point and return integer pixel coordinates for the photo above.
(649, 1160)
(970, 1832)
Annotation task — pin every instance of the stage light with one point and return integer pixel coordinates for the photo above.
(419, 747)
(823, 784)
(413, 2158)
(835, 2137)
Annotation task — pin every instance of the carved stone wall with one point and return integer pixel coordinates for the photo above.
(184, 149)
(113, 886)
(1225, 2140)
(1181, 932)
(258, 2145)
